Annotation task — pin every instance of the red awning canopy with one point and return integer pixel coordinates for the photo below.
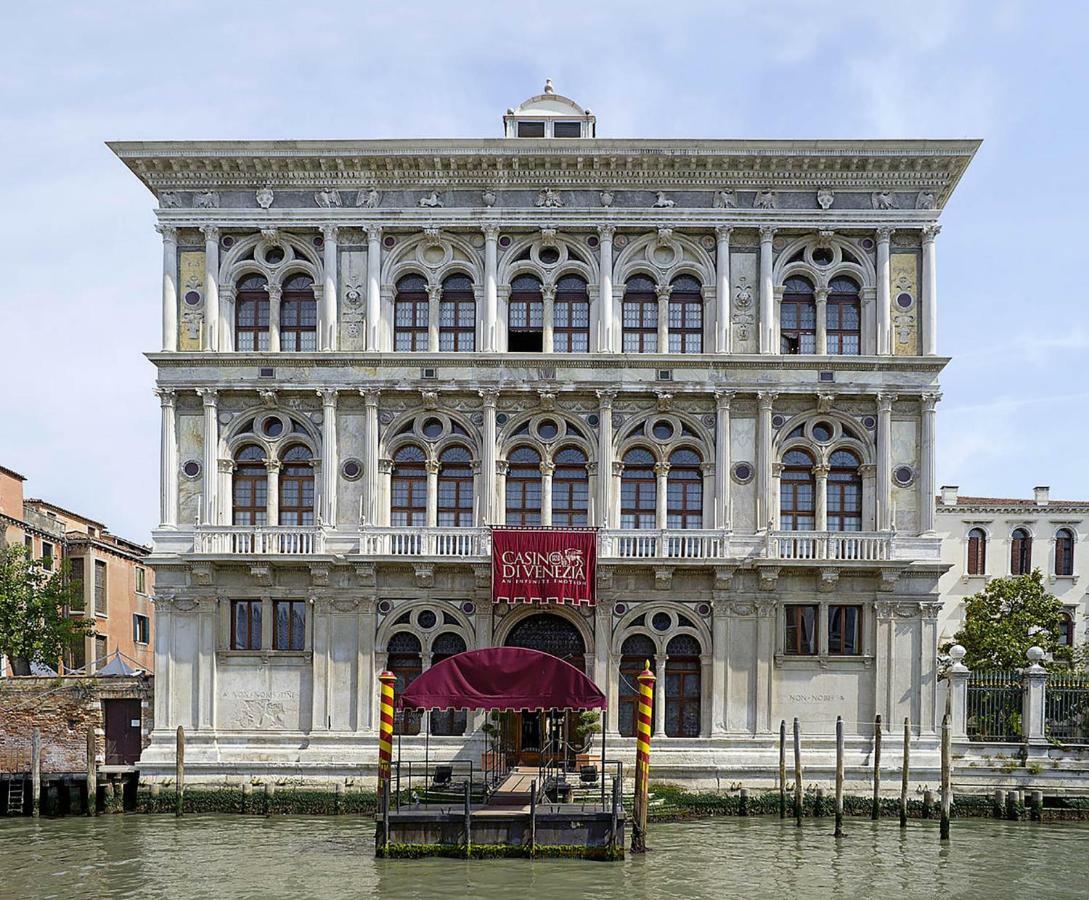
(502, 678)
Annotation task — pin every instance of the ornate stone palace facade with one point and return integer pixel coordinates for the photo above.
(720, 353)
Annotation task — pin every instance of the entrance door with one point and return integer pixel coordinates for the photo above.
(122, 732)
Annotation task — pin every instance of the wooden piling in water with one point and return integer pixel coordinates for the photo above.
(839, 776)
(875, 808)
(1037, 813)
(614, 818)
(904, 774)
(35, 772)
(533, 818)
(743, 803)
(468, 822)
(928, 804)
(92, 773)
(999, 803)
(383, 789)
(797, 772)
(179, 772)
(782, 768)
(947, 777)
(818, 803)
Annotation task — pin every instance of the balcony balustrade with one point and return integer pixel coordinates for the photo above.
(837, 546)
(260, 540)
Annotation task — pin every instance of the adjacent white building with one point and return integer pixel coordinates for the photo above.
(721, 354)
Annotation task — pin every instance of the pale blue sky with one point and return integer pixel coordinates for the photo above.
(80, 301)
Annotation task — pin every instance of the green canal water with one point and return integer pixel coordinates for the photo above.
(220, 856)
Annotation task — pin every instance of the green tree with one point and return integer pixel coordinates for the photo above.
(33, 604)
(1006, 618)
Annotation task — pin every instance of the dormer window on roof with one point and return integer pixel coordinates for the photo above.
(549, 115)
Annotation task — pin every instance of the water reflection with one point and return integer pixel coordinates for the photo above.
(220, 856)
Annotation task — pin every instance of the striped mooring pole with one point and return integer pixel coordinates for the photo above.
(385, 731)
(644, 727)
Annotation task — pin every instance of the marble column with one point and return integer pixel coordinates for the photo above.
(168, 468)
(275, 295)
(820, 473)
(821, 301)
(374, 286)
(664, 290)
(884, 461)
(884, 283)
(370, 454)
(719, 694)
(328, 457)
(764, 501)
(547, 469)
(431, 467)
(927, 454)
(930, 291)
(617, 481)
(488, 488)
(328, 335)
(491, 295)
(501, 466)
(605, 341)
(210, 464)
(385, 472)
(767, 291)
(548, 295)
(170, 286)
(434, 298)
(211, 287)
(722, 458)
(659, 697)
(272, 506)
(722, 289)
(605, 459)
(661, 508)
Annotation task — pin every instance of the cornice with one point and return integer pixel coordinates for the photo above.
(1021, 512)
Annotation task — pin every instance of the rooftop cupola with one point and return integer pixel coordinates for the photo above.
(549, 115)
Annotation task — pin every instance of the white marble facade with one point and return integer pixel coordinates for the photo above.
(682, 450)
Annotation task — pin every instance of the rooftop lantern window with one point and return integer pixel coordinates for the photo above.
(549, 115)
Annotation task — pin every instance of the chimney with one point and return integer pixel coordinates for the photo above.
(1041, 494)
(949, 494)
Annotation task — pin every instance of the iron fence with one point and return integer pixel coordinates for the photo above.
(1066, 707)
(994, 706)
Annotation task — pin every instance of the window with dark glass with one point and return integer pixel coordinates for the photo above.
(844, 492)
(447, 721)
(977, 551)
(843, 310)
(410, 315)
(523, 500)
(531, 129)
(1020, 552)
(635, 653)
(298, 315)
(1066, 630)
(845, 630)
(1064, 552)
(249, 487)
(404, 660)
(682, 689)
(640, 316)
(457, 315)
(567, 129)
(797, 492)
(570, 488)
(408, 487)
(455, 486)
(288, 624)
(571, 316)
(141, 580)
(684, 490)
(297, 487)
(685, 316)
(525, 316)
(47, 555)
(251, 314)
(141, 629)
(76, 576)
(638, 490)
(801, 637)
(100, 588)
(798, 317)
(245, 624)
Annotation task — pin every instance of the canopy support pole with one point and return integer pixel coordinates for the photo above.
(604, 728)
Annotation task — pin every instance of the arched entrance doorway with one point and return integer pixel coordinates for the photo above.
(533, 734)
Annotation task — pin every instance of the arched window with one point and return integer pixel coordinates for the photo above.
(977, 552)
(1064, 552)
(844, 504)
(684, 490)
(635, 653)
(524, 487)
(251, 314)
(570, 488)
(638, 490)
(410, 314)
(249, 487)
(798, 317)
(447, 721)
(844, 317)
(455, 502)
(457, 315)
(1020, 552)
(297, 487)
(298, 315)
(571, 316)
(640, 316)
(685, 316)
(525, 315)
(552, 634)
(406, 663)
(682, 689)
(797, 492)
(408, 487)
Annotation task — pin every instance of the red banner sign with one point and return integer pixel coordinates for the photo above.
(543, 565)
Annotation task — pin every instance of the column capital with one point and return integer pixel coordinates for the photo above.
(385, 466)
(885, 400)
(374, 232)
(489, 397)
(210, 232)
(169, 233)
(501, 467)
(767, 232)
(370, 396)
(884, 234)
(606, 232)
(548, 293)
(226, 466)
(434, 292)
(167, 396)
(605, 399)
(820, 295)
(723, 232)
(766, 399)
(329, 233)
(491, 232)
(328, 396)
(210, 396)
(661, 468)
(930, 400)
(723, 399)
(431, 466)
(821, 470)
(618, 467)
(929, 232)
(867, 470)
(275, 292)
(777, 469)
(663, 290)
(707, 468)
(547, 467)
